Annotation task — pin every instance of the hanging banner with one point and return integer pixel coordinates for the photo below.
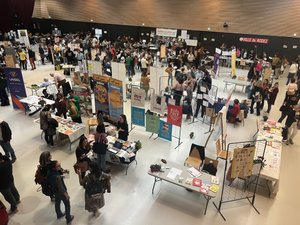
(138, 116)
(183, 34)
(137, 97)
(191, 42)
(152, 123)
(158, 103)
(166, 32)
(23, 37)
(174, 115)
(233, 63)
(16, 86)
(115, 98)
(242, 162)
(217, 60)
(101, 93)
(165, 130)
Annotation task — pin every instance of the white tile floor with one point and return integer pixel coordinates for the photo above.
(131, 202)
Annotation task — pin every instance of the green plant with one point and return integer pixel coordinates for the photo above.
(138, 145)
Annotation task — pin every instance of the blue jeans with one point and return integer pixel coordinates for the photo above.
(11, 195)
(58, 198)
(102, 161)
(9, 151)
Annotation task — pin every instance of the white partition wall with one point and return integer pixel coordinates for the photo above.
(94, 67)
(115, 70)
(154, 81)
(123, 78)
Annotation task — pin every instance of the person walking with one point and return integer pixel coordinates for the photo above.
(60, 191)
(145, 84)
(23, 58)
(31, 55)
(272, 95)
(292, 71)
(42, 54)
(5, 138)
(7, 186)
(45, 116)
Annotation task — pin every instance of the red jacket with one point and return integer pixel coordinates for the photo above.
(235, 110)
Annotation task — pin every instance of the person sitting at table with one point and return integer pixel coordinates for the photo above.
(234, 111)
(59, 79)
(77, 80)
(60, 106)
(82, 150)
(74, 113)
(122, 128)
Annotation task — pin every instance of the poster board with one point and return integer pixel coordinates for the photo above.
(163, 52)
(242, 162)
(138, 97)
(101, 93)
(94, 67)
(115, 98)
(174, 115)
(16, 86)
(165, 130)
(23, 37)
(158, 103)
(152, 123)
(138, 116)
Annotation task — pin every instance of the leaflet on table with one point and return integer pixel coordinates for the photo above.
(194, 172)
(174, 172)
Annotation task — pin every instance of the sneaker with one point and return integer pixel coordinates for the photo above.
(61, 216)
(291, 141)
(13, 160)
(287, 142)
(70, 220)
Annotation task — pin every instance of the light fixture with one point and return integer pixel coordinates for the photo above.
(295, 34)
(208, 28)
(143, 24)
(49, 17)
(92, 20)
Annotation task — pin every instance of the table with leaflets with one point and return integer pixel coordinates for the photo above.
(189, 178)
(34, 101)
(271, 132)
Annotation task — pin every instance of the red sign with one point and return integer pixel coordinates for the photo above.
(174, 115)
(254, 40)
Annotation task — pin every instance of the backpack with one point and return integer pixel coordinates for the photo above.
(94, 186)
(41, 178)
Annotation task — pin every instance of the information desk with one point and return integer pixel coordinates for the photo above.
(271, 132)
(236, 82)
(180, 180)
(33, 101)
(124, 153)
(70, 129)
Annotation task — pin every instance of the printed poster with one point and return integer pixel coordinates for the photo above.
(165, 130)
(138, 116)
(115, 98)
(101, 93)
(174, 115)
(152, 123)
(138, 97)
(242, 162)
(16, 86)
(158, 103)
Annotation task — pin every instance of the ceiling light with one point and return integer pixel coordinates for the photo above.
(295, 34)
(208, 28)
(92, 20)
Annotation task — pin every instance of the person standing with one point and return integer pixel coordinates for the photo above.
(7, 186)
(60, 106)
(169, 71)
(59, 79)
(292, 71)
(122, 128)
(23, 58)
(145, 84)
(75, 99)
(3, 86)
(60, 191)
(292, 124)
(272, 95)
(144, 64)
(100, 146)
(45, 115)
(256, 97)
(5, 138)
(74, 113)
(31, 55)
(42, 54)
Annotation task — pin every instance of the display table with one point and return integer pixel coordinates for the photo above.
(67, 68)
(70, 129)
(236, 82)
(33, 101)
(35, 88)
(271, 132)
(167, 174)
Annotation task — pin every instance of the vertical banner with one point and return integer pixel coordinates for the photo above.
(152, 123)
(217, 60)
(174, 115)
(16, 86)
(138, 116)
(23, 37)
(101, 93)
(158, 103)
(233, 63)
(115, 98)
(163, 52)
(242, 162)
(165, 130)
(138, 97)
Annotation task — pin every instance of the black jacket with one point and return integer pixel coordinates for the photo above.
(291, 118)
(6, 176)
(6, 131)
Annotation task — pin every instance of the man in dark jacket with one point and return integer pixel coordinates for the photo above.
(7, 186)
(5, 137)
(59, 188)
(3, 85)
(291, 124)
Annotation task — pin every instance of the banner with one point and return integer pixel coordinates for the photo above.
(242, 162)
(152, 123)
(174, 115)
(217, 60)
(115, 98)
(101, 93)
(166, 32)
(138, 97)
(191, 42)
(163, 52)
(158, 103)
(138, 116)
(165, 130)
(233, 63)
(16, 86)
